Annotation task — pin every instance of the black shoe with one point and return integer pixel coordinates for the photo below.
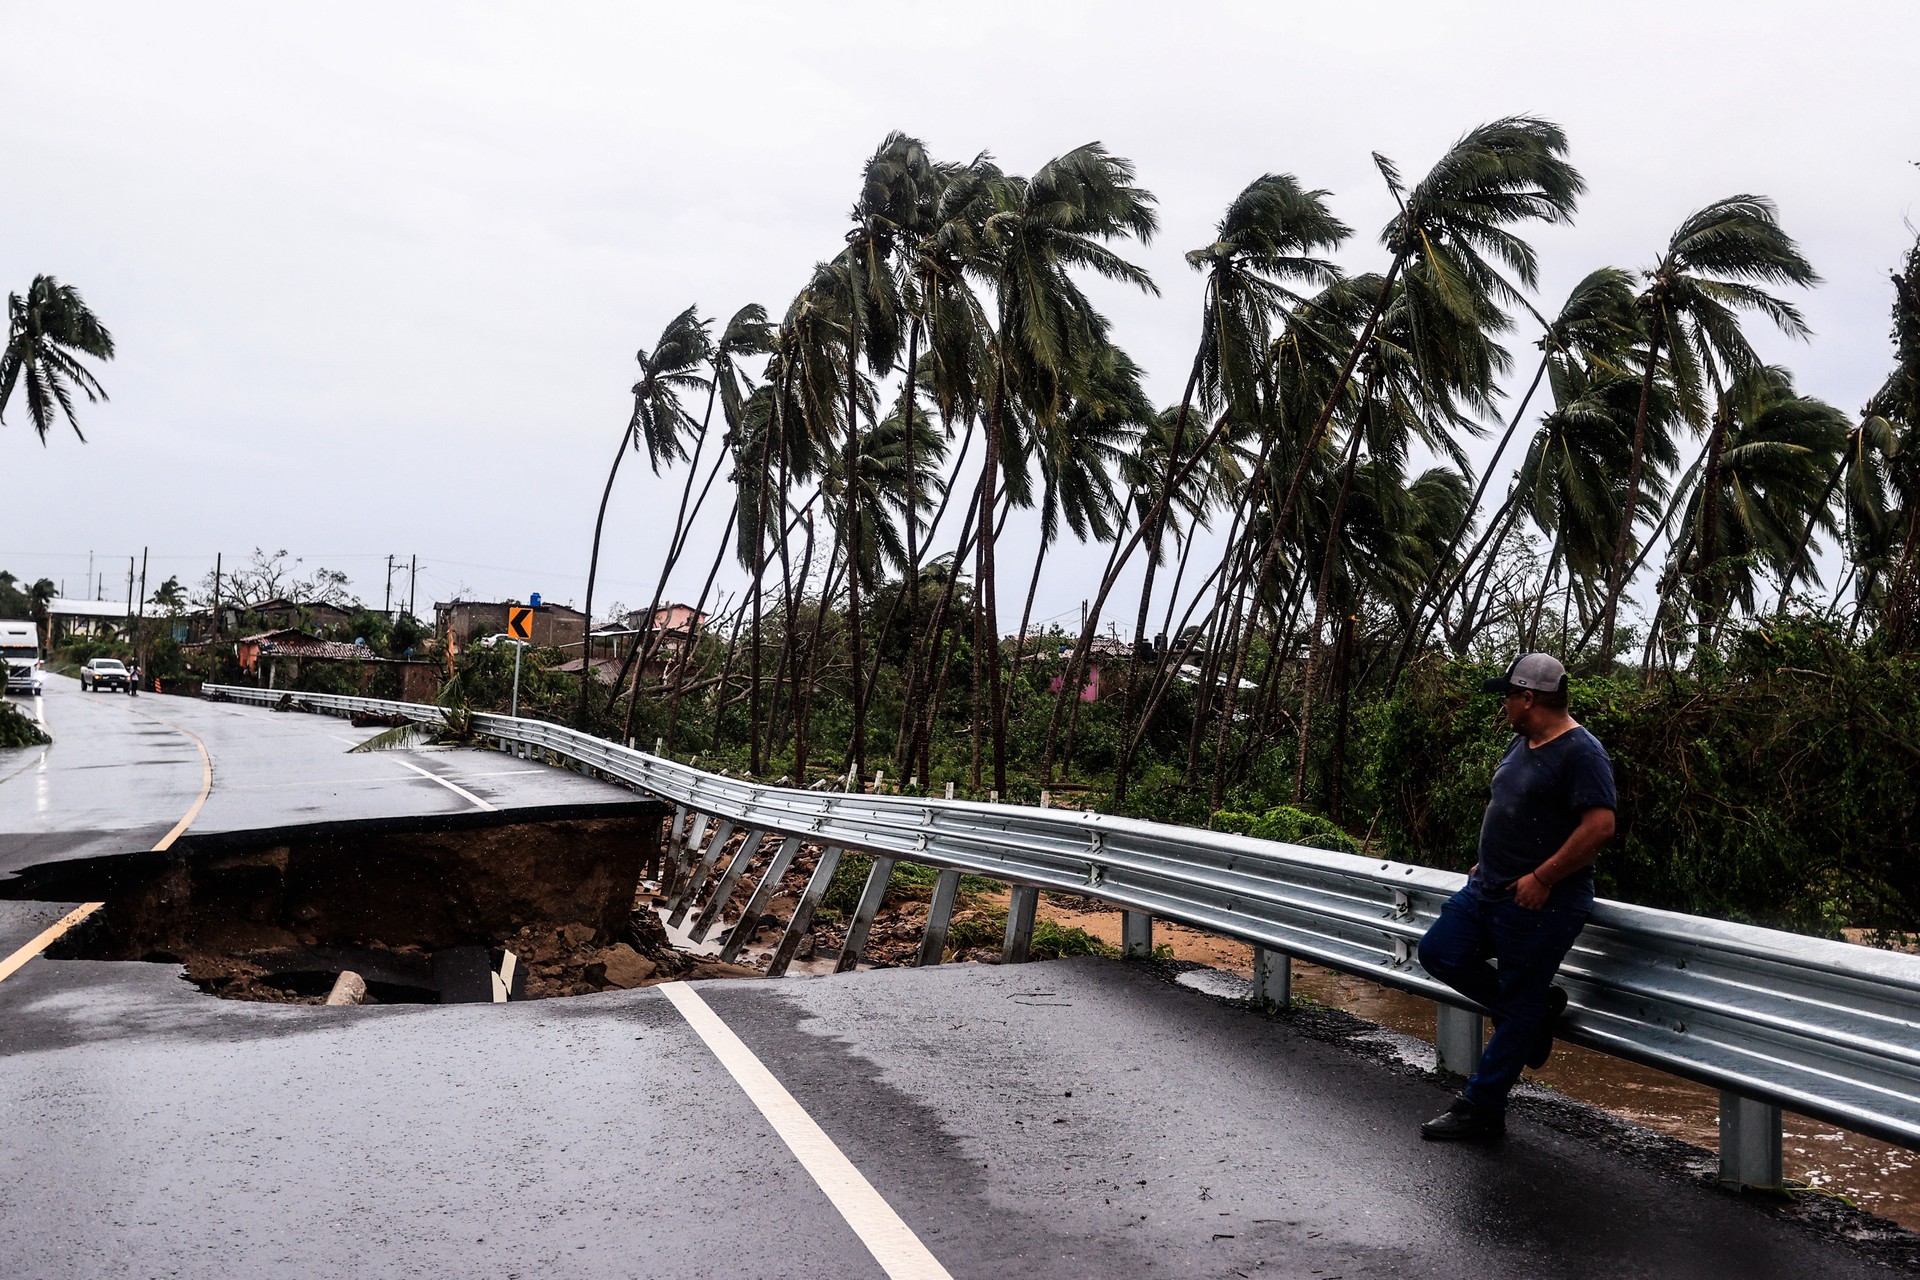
(1542, 1047)
(1462, 1123)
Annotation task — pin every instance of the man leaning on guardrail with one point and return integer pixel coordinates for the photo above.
(1529, 894)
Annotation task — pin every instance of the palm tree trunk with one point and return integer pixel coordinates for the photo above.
(920, 650)
(1159, 683)
(1617, 583)
(1590, 624)
(759, 577)
(1546, 580)
(797, 695)
(854, 556)
(1813, 519)
(1422, 621)
(936, 635)
(693, 639)
(1343, 681)
(674, 544)
(1285, 513)
(593, 568)
(1156, 538)
(1169, 666)
(908, 396)
(987, 624)
(1026, 613)
(1329, 555)
(642, 650)
(726, 671)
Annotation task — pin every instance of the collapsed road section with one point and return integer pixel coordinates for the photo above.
(424, 909)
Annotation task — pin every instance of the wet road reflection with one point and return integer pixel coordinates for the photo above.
(1879, 1177)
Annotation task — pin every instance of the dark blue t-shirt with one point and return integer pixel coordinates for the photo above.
(1539, 794)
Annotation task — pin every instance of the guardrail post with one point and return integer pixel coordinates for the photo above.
(933, 944)
(680, 855)
(717, 903)
(871, 895)
(716, 844)
(650, 867)
(1272, 977)
(744, 927)
(1749, 1142)
(1136, 935)
(1020, 911)
(1458, 1036)
(802, 922)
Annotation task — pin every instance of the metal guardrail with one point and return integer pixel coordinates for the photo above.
(1772, 1019)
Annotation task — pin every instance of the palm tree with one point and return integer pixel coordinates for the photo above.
(657, 423)
(1041, 231)
(1893, 550)
(1265, 241)
(898, 189)
(1711, 271)
(1860, 475)
(47, 333)
(1775, 452)
(748, 333)
(1452, 240)
(1078, 455)
(1595, 327)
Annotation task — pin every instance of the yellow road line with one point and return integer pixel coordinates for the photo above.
(13, 962)
(206, 785)
(46, 938)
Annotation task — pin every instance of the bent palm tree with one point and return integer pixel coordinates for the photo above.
(1711, 271)
(47, 333)
(658, 422)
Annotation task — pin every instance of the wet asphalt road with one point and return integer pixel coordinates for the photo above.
(122, 771)
(1073, 1119)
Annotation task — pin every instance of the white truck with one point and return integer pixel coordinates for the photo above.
(20, 650)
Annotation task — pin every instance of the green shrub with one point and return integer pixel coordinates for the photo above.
(18, 729)
(1051, 940)
(1288, 826)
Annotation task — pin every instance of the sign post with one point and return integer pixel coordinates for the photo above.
(520, 630)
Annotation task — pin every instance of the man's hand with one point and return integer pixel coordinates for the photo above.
(1582, 847)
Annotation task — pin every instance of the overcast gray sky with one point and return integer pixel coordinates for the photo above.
(377, 271)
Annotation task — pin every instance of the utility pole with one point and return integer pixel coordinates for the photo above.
(143, 582)
(387, 607)
(413, 570)
(129, 588)
(216, 595)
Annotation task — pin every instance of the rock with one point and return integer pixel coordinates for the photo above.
(720, 969)
(578, 935)
(620, 966)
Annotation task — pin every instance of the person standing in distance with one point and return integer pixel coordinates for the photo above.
(1529, 895)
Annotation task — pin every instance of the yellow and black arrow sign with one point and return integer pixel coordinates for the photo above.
(520, 623)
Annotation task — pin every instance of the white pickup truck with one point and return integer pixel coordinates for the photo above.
(20, 650)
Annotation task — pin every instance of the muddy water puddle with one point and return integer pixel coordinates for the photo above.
(1879, 1177)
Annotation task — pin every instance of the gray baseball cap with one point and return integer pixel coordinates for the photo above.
(1540, 672)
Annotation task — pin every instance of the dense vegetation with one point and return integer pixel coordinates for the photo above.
(1729, 563)
(1732, 567)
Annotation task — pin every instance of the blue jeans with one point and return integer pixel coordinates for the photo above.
(1476, 928)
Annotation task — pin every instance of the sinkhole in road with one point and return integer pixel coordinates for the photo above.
(421, 909)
